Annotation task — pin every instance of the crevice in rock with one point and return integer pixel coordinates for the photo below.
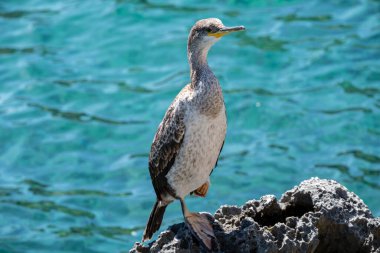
(299, 207)
(277, 213)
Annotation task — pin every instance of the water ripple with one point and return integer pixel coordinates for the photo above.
(265, 43)
(7, 191)
(83, 117)
(23, 13)
(295, 18)
(267, 92)
(122, 84)
(361, 155)
(109, 232)
(279, 147)
(38, 188)
(166, 6)
(9, 50)
(48, 206)
(370, 172)
(349, 88)
(344, 110)
(345, 170)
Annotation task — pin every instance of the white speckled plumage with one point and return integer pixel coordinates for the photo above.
(199, 151)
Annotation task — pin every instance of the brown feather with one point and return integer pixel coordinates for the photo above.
(165, 147)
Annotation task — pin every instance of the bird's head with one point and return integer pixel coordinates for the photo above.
(206, 32)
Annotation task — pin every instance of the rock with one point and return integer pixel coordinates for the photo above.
(318, 216)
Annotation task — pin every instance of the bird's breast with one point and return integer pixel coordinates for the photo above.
(199, 152)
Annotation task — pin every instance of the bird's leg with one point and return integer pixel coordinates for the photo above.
(202, 191)
(199, 225)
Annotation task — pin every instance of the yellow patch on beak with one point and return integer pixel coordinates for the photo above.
(217, 34)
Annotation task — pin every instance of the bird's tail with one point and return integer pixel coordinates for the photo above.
(154, 221)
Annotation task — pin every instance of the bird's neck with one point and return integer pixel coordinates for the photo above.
(199, 68)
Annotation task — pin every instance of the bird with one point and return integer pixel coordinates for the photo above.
(189, 139)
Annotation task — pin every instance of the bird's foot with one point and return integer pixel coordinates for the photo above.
(201, 227)
(202, 191)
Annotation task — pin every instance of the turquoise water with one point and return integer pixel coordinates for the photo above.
(84, 85)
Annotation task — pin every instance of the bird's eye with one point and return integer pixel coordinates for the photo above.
(208, 30)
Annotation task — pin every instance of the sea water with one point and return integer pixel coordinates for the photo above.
(84, 85)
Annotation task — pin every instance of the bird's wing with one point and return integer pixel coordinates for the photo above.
(220, 151)
(216, 164)
(165, 147)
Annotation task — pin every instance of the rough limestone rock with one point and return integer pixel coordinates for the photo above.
(317, 216)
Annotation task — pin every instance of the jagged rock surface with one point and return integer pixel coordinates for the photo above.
(318, 216)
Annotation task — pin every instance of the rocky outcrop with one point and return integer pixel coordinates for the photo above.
(317, 216)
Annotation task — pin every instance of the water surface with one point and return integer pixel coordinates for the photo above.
(84, 85)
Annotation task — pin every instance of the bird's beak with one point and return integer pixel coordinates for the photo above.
(226, 30)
